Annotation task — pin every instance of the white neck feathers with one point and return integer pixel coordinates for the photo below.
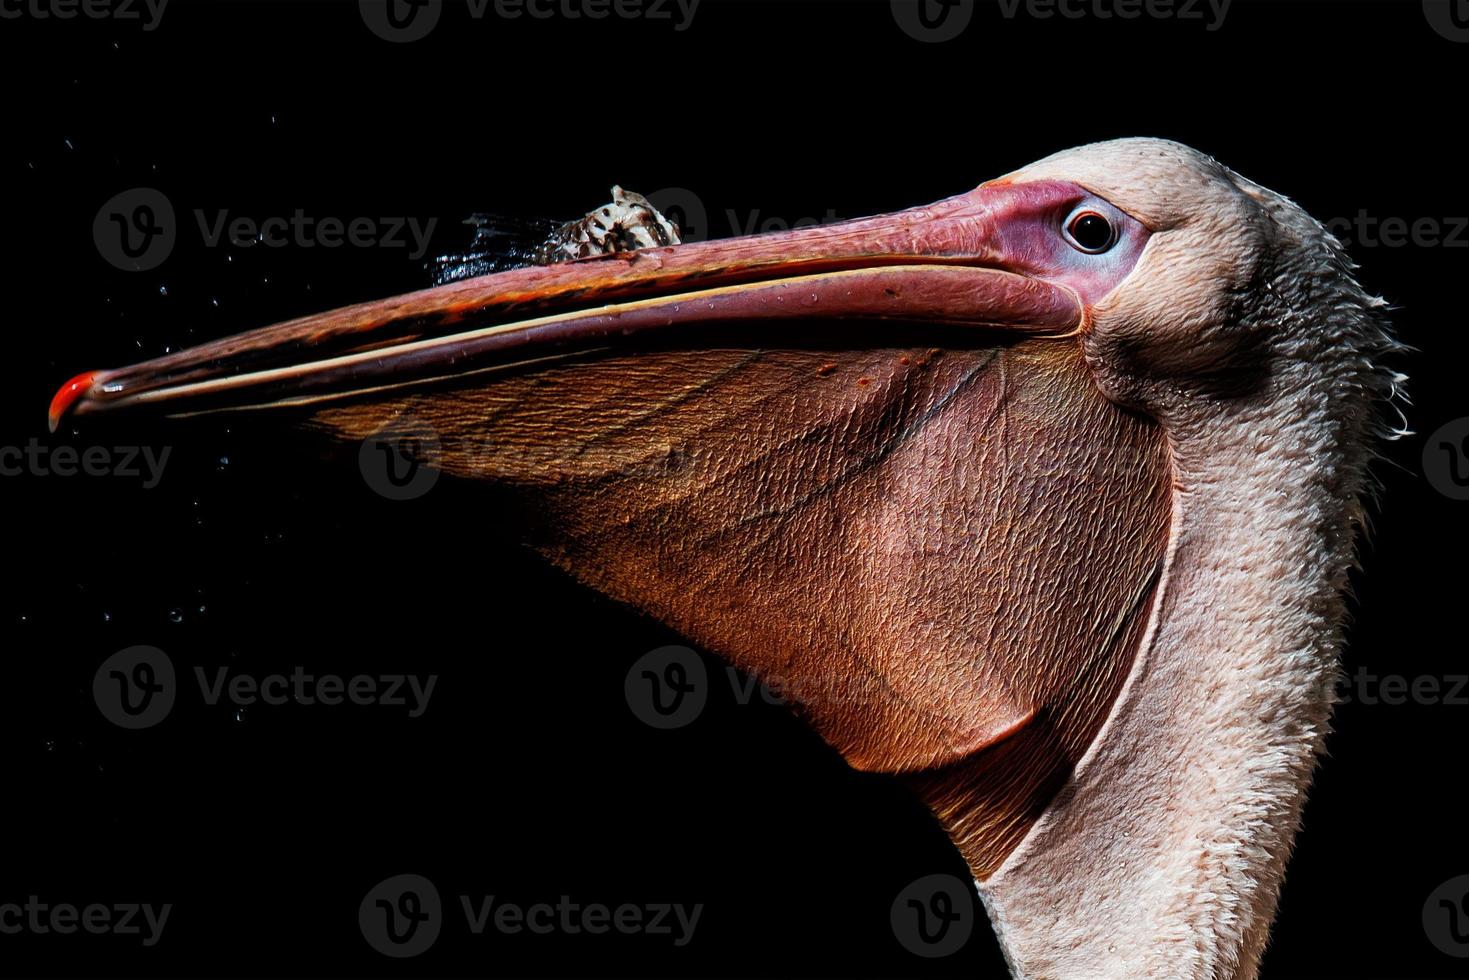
(1163, 856)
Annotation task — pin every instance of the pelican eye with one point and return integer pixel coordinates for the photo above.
(1090, 232)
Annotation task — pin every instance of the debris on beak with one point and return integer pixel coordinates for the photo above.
(630, 222)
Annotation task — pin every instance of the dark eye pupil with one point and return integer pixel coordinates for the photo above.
(1091, 231)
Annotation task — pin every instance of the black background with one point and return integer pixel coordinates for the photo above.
(528, 777)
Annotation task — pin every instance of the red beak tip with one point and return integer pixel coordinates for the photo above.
(68, 395)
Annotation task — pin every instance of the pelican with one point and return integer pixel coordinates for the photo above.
(1042, 498)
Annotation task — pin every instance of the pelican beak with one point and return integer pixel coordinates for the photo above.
(945, 264)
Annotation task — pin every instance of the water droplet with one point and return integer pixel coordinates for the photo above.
(162, 290)
(175, 615)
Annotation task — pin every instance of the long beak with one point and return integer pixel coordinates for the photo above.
(941, 264)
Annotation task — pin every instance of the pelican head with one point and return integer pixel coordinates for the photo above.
(1237, 282)
(1041, 498)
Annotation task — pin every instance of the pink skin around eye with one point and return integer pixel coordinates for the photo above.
(1029, 220)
